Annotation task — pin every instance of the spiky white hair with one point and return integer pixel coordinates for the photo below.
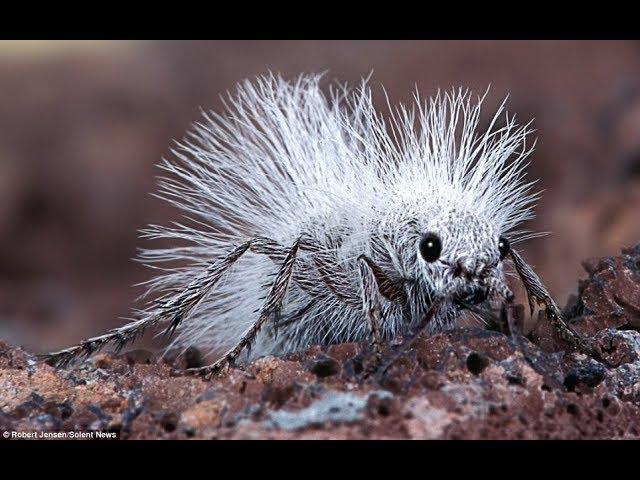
(286, 160)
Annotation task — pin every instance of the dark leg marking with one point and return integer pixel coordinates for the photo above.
(391, 290)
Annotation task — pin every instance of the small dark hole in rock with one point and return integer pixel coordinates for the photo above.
(515, 380)
(325, 367)
(169, 422)
(606, 402)
(357, 367)
(600, 416)
(572, 409)
(66, 410)
(570, 381)
(230, 422)
(383, 410)
(193, 358)
(476, 363)
(589, 375)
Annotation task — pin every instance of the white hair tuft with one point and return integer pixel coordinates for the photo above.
(313, 218)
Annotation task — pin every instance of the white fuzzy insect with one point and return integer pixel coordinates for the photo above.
(314, 219)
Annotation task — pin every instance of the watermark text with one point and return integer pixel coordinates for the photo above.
(66, 435)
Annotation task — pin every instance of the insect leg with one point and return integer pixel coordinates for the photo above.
(270, 310)
(413, 336)
(173, 309)
(376, 289)
(303, 275)
(335, 280)
(538, 293)
(371, 303)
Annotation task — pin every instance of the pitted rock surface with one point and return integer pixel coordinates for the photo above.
(467, 383)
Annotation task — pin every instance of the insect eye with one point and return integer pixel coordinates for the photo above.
(430, 247)
(504, 247)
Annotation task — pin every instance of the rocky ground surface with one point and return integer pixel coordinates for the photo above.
(468, 383)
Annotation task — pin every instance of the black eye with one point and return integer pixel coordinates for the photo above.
(430, 247)
(504, 247)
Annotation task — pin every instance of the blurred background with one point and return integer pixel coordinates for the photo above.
(82, 125)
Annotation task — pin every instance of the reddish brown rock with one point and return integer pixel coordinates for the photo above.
(467, 383)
